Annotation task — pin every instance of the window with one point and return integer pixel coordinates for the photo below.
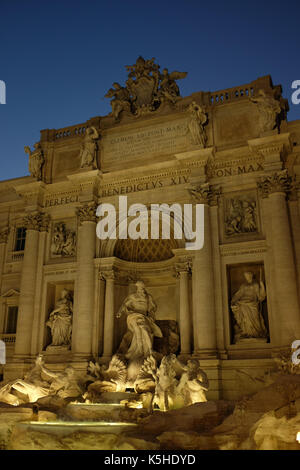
(11, 322)
(20, 239)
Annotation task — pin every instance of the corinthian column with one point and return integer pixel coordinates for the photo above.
(275, 187)
(109, 315)
(205, 341)
(83, 313)
(183, 271)
(33, 222)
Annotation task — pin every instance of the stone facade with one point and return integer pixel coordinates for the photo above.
(232, 151)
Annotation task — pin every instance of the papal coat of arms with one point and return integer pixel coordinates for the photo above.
(146, 89)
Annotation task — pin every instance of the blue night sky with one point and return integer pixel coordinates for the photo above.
(58, 57)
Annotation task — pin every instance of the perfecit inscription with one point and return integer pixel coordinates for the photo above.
(61, 200)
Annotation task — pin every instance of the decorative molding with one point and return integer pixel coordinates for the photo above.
(243, 248)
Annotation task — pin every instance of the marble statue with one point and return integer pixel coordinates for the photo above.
(66, 384)
(166, 383)
(60, 321)
(241, 216)
(269, 108)
(140, 309)
(36, 160)
(34, 385)
(63, 241)
(197, 120)
(245, 305)
(121, 100)
(168, 86)
(193, 383)
(88, 148)
(40, 382)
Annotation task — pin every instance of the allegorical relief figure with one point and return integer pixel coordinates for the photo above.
(63, 241)
(60, 321)
(196, 122)
(140, 309)
(246, 308)
(241, 216)
(88, 148)
(36, 160)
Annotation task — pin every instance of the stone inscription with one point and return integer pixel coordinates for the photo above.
(61, 200)
(231, 171)
(144, 186)
(163, 139)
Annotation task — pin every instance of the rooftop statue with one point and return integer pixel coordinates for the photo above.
(36, 160)
(146, 89)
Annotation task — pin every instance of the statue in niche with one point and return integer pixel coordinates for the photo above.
(36, 160)
(60, 321)
(63, 241)
(140, 309)
(198, 118)
(241, 216)
(88, 148)
(269, 108)
(246, 308)
(121, 100)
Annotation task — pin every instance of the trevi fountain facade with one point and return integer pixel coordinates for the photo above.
(145, 343)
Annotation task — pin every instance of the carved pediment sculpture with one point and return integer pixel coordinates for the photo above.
(36, 160)
(63, 241)
(146, 89)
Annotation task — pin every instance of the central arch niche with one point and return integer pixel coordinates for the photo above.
(145, 250)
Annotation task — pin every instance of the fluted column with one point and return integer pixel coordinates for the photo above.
(33, 223)
(275, 187)
(183, 270)
(109, 314)
(203, 282)
(83, 313)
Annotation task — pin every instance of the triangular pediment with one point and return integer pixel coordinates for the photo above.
(10, 293)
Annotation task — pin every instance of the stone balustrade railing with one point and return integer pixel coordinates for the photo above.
(70, 132)
(231, 94)
(17, 255)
